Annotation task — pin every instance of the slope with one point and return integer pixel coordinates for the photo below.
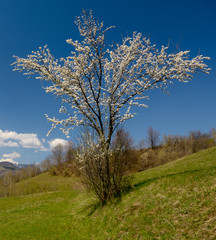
(173, 201)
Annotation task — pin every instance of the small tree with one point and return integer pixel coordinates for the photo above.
(99, 84)
(69, 152)
(153, 137)
(46, 164)
(213, 135)
(71, 163)
(105, 182)
(57, 154)
(123, 139)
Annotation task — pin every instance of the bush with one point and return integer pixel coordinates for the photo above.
(103, 170)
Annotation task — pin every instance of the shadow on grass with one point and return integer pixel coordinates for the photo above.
(150, 180)
(91, 208)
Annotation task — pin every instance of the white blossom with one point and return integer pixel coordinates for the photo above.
(99, 84)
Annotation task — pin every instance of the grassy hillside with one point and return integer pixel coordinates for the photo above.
(173, 201)
(46, 183)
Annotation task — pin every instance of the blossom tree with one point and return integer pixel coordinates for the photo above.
(101, 85)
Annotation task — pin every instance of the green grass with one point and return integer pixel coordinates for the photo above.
(46, 183)
(173, 201)
(42, 183)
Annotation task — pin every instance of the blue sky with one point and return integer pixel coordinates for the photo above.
(27, 24)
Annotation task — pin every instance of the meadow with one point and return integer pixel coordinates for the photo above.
(174, 201)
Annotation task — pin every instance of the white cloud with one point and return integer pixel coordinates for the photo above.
(9, 157)
(43, 149)
(8, 143)
(8, 160)
(12, 155)
(26, 140)
(56, 142)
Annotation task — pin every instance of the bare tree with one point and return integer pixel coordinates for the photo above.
(46, 164)
(141, 144)
(99, 84)
(57, 154)
(213, 135)
(122, 139)
(153, 137)
(70, 152)
(129, 157)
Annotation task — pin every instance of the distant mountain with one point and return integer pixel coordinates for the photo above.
(9, 166)
(22, 165)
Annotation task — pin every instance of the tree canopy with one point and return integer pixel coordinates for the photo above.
(100, 84)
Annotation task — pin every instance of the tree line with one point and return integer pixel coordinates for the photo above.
(126, 159)
(171, 147)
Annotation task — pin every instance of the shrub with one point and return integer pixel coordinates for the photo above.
(103, 170)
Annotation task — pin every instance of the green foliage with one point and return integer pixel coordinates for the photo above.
(172, 201)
